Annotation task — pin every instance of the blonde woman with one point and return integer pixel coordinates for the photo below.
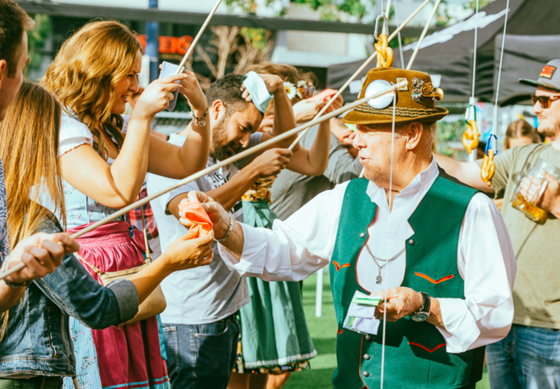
(104, 159)
(28, 145)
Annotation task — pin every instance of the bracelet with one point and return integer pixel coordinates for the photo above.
(200, 122)
(228, 233)
(15, 285)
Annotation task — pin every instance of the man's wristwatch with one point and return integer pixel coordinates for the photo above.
(424, 312)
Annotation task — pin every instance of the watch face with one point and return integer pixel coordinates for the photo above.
(420, 316)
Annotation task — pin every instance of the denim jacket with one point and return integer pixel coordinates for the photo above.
(37, 338)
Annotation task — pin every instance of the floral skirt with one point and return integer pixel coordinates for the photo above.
(124, 357)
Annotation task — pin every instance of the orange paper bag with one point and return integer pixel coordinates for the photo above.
(201, 223)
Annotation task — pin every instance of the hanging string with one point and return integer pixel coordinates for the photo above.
(475, 49)
(399, 35)
(500, 70)
(471, 135)
(388, 220)
(488, 166)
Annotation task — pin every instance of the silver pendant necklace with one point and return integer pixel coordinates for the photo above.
(379, 278)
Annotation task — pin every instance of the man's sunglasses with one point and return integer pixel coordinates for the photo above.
(545, 101)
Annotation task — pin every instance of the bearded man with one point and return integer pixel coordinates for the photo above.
(200, 322)
(440, 255)
(529, 357)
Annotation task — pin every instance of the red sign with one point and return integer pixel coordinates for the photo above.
(170, 44)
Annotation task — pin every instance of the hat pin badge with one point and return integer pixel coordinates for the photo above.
(416, 93)
(382, 101)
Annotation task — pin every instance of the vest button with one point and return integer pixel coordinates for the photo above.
(366, 357)
(366, 374)
(368, 338)
(363, 235)
(411, 242)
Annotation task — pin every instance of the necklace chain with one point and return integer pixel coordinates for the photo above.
(379, 278)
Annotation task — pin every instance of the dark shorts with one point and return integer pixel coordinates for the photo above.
(201, 355)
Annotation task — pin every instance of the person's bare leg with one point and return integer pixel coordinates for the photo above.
(277, 381)
(258, 381)
(239, 381)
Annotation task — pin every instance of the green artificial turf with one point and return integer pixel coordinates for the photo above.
(323, 332)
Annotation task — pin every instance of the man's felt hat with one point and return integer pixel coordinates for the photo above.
(415, 102)
(549, 77)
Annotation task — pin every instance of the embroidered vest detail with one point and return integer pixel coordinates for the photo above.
(415, 353)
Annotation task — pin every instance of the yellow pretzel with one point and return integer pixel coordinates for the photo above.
(384, 52)
(471, 135)
(488, 168)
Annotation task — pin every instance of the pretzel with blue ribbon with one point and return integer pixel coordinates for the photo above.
(488, 167)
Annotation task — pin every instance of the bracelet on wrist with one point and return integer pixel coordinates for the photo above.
(17, 285)
(228, 233)
(199, 121)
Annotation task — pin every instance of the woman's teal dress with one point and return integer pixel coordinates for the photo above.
(274, 333)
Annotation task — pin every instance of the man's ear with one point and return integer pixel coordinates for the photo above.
(3, 71)
(216, 108)
(413, 133)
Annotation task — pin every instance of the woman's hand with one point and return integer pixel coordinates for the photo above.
(42, 253)
(157, 96)
(190, 88)
(185, 253)
(306, 110)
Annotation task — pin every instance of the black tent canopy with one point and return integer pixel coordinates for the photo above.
(449, 52)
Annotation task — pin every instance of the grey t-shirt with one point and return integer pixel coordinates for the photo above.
(536, 293)
(291, 191)
(205, 294)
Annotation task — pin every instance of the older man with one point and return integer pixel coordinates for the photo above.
(529, 357)
(441, 255)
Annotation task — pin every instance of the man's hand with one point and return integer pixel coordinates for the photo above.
(544, 194)
(42, 255)
(217, 213)
(274, 84)
(401, 302)
(271, 162)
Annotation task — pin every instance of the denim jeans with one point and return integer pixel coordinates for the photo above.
(527, 358)
(201, 356)
(32, 383)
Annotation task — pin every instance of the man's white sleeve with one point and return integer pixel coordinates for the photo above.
(294, 248)
(487, 264)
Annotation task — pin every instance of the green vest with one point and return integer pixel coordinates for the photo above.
(415, 353)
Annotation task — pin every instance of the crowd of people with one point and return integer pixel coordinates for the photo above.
(425, 269)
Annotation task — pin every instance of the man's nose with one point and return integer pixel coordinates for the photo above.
(245, 140)
(359, 142)
(537, 107)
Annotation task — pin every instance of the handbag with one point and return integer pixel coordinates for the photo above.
(155, 303)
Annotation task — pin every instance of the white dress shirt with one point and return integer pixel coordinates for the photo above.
(304, 243)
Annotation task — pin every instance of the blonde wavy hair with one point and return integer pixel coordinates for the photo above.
(86, 70)
(28, 148)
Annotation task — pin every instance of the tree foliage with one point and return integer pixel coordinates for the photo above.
(330, 9)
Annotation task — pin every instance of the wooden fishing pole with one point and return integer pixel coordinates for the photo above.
(422, 36)
(197, 38)
(357, 73)
(221, 164)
